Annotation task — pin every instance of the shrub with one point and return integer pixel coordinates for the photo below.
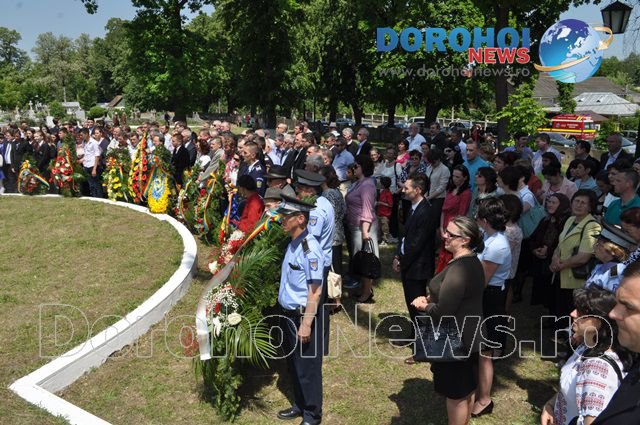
(97, 112)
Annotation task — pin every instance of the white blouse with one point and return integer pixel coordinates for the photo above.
(586, 386)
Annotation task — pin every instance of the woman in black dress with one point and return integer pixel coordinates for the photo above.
(457, 291)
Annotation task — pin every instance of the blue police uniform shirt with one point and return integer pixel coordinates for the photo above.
(322, 225)
(256, 170)
(300, 269)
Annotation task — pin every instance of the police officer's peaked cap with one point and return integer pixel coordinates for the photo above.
(276, 172)
(273, 193)
(616, 235)
(291, 205)
(309, 178)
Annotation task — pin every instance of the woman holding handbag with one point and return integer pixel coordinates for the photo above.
(456, 291)
(574, 251)
(361, 218)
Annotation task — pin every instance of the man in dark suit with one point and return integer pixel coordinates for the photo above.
(190, 146)
(364, 146)
(614, 152)
(23, 147)
(296, 157)
(624, 407)
(10, 164)
(583, 151)
(412, 255)
(180, 157)
(42, 154)
(436, 137)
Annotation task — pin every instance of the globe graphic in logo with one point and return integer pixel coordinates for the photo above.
(571, 51)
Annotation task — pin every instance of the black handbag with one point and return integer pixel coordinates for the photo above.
(443, 344)
(583, 271)
(365, 262)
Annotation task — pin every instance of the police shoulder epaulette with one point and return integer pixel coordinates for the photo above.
(305, 246)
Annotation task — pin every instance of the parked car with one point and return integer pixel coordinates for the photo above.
(559, 140)
(460, 125)
(629, 146)
(345, 122)
(398, 124)
(629, 134)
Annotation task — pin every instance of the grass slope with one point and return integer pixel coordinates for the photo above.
(93, 263)
(153, 383)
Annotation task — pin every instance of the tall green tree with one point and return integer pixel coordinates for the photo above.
(262, 49)
(523, 112)
(10, 54)
(565, 97)
(537, 16)
(164, 66)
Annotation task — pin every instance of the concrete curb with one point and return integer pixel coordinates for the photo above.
(38, 387)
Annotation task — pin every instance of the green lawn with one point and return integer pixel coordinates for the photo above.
(152, 383)
(92, 262)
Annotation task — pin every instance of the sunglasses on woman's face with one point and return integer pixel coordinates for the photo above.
(415, 158)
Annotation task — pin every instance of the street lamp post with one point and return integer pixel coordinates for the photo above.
(616, 16)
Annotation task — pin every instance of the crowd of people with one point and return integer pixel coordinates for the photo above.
(469, 226)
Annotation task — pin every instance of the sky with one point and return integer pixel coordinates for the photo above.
(69, 18)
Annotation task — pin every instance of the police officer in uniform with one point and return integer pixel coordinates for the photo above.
(299, 298)
(322, 226)
(253, 167)
(277, 177)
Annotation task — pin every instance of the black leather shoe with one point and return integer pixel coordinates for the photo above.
(309, 423)
(288, 414)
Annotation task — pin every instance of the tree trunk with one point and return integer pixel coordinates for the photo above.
(333, 108)
(391, 111)
(180, 112)
(431, 112)
(270, 118)
(357, 113)
(502, 90)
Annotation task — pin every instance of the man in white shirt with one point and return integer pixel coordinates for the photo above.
(164, 129)
(91, 162)
(415, 139)
(278, 153)
(543, 141)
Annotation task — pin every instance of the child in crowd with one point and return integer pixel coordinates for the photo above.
(383, 209)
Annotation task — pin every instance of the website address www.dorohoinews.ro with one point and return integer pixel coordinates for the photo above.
(451, 72)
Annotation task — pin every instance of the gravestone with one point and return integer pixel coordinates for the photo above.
(80, 115)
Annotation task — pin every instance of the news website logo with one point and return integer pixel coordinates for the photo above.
(571, 50)
(482, 45)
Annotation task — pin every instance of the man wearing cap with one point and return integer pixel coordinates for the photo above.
(277, 178)
(271, 200)
(611, 249)
(321, 225)
(299, 297)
